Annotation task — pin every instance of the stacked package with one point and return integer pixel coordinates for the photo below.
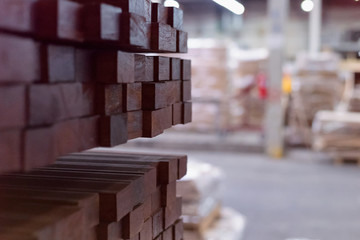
(72, 76)
(204, 217)
(97, 194)
(336, 131)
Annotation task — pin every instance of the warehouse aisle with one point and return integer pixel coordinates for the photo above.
(303, 196)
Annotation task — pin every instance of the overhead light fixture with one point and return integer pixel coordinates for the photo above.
(232, 5)
(171, 3)
(307, 5)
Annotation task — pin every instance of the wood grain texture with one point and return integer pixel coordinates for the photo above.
(113, 130)
(175, 17)
(168, 234)
(186, 91)
(115, 67)
(12, 107)
(17, 51)
(155, 122)
(185, 69)
(175, 69)
(177, 113)
(182, 41)
(146, 231)
(109, 99)
(57, 63)
(158, 223)
(58, 19)
(161, 68)
(178, 230)
(66, 135)
(135, 124)
(168, 194)
(187, 112)
(133, 222)
(163, 37)
(89, 132)
(101, 22)
(132, 97)
(133, 30)
(159, 13)
(172, 212)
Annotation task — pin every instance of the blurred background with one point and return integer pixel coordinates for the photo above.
(274, 143)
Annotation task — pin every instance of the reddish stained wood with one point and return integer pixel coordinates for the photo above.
(12, 107)
(133, 222)
(66, 136)
(185, 69)
(135, 124)
(168, 234)
(159, 13)
(39, 147)
(85, 65)
(154, 96)
(175, 69)
(175, 17)
(177, 113)
(186, 91)
(113, 130)
(57, 63)
(163, 38)
(140, 68)
(158, 223)
(187, 112)
(147, 207)
(59, 19)
(179, 230)
(161, 68)
(132, 96)
(89, 202)
(146, 231)
(17, 51)
(101, 22)
(115, 67)
(109, 99)
(133, 30)
(155, 122)
(168, 194)
(10, 150)
(172, 212)
(89, 132)
(155, 201)
(17, 15)
(116, 199)
(182, 42)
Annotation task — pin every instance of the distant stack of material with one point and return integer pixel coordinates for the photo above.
(203, 216)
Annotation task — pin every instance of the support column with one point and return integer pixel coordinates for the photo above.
(274, 119)
(315, 22)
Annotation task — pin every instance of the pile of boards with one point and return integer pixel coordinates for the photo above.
(82, 73)
(98, 194)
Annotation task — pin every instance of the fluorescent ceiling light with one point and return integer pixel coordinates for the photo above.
(307, 5)
(232, 5)
(171, 3)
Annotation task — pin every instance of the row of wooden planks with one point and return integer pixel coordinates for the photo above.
(124, 24)
(60, 93)
(95, 195)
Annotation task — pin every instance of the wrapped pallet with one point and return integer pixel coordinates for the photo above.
(336, 131)
(203, 216)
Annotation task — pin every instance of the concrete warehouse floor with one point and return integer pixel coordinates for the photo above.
(302, 196)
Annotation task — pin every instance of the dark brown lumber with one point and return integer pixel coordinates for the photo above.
(135, 124)
(132, 96)
(187, 112)
(18, 51)
(57, 63)
(10, 150)
(181, 41)
(158, 223)
(161, 68)
(163, 37)
(146, 231)
(186, 91)
(175, 69)
(155, 122)
(113, 130)
(12, 107)
(17, 15)
(172, 212)
(185, 69)
(109, 99)
(175, 17)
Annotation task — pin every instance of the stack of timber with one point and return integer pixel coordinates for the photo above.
(95, 195)
(77, 74)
